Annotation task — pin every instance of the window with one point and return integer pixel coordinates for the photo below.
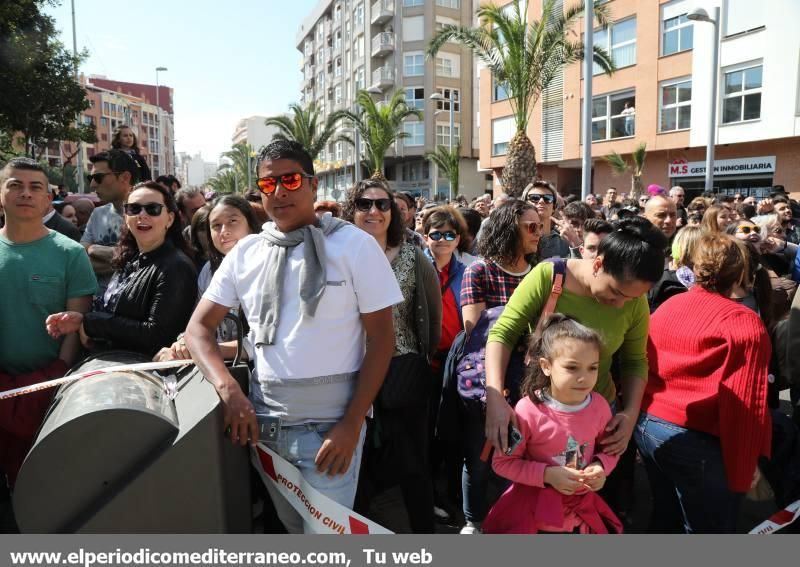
(502, 131)
(443, 134)
(414, 28)
(741, 95)
(455, 4)
(319, 57)
(415, 98)
(613, 116)
(338, 95)
(445, 104)
(360, 78)
(337, 14)
(676, 106)
(337, 40)
(416, 133)
(358, 16)
(360, 46)
(103, 121)
(742, 16)
(677, 35)
(414, 64)
(620, 41)
(338, 69)
(499, 91)
(410, 3)
(320, 78)
(338, 151)
(447, 65)
(320, 31)
(105, 108)
(104, 137)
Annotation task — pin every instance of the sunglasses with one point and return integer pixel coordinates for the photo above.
(97, 177)
(533, 227)
(365, 205)
(437, 235)
(152, 209)
(536, 197)
(748, 229)
(289, 181)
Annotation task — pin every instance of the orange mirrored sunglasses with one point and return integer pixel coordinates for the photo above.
(289, 181)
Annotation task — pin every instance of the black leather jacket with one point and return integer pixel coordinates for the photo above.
(154, 307)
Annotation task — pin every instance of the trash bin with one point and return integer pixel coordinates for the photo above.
(117, 454)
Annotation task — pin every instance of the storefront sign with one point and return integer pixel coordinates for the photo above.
(740, 166)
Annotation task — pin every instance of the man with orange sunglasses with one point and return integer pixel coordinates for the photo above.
(318, 294)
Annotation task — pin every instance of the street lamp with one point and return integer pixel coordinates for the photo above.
(79, 154)
(700, 15)
(451, 100)
(158, 107)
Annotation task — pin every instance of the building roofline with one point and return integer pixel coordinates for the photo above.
(310, 21)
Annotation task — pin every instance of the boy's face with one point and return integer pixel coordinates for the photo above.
(591, 242)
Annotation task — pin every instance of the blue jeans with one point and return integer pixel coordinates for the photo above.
(476, 473)
(687, 479)
(299, 445)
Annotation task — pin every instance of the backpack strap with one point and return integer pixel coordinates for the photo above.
(559, 275)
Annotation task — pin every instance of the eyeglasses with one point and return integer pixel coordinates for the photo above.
(289, 181)
(536, 197)
(98, 177)
(365, 205)
(152, 209)
(437, 235)
(533, 227)
(747, 229)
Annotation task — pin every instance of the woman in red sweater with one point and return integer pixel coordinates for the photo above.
(704, 420)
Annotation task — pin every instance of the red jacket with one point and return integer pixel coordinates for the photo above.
(709, 359)
(21, 417)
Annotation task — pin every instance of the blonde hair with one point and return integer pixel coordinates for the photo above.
(685, 244)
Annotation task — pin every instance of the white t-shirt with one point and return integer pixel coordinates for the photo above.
(360, 280)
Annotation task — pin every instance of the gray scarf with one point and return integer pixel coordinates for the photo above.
(312, 273)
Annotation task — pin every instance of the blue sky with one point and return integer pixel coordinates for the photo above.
(225, 60)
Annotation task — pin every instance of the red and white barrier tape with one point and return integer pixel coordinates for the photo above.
(778, 520)
(75, 377)
(324, 515)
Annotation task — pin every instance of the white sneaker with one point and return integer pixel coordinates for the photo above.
(471, 529)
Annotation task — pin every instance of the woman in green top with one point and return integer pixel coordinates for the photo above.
(606, 294)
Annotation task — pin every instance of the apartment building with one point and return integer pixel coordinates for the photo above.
(351, 45)
(114, 103)
(254, 132)
(661, 95)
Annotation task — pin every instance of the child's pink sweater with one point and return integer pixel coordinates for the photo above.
(556, 435)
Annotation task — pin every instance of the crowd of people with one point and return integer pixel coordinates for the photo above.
(506, 362)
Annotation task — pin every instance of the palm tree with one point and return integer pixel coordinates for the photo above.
(224, 182)
(379, 126)
(635, 168)
(241, 160)
(448, 163)
(525, 58)
(305, 127)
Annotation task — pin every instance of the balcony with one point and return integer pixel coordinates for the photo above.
(382, 78)
(382, 11)
(382, 44)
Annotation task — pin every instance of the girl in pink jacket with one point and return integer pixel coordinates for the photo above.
(555, 466)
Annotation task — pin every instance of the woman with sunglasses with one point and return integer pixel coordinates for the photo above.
(401, 407)
(542, 195)
(154, 287)
(608, 295)
(445, 230)
(507, 245)
(124, 139)
(229, 219)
